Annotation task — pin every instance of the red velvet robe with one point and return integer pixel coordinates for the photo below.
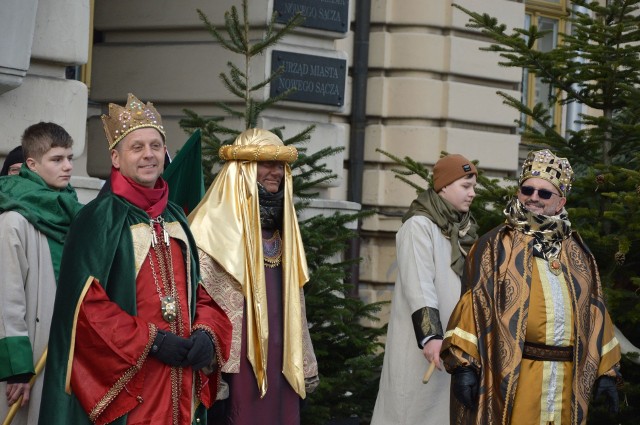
(156, 393)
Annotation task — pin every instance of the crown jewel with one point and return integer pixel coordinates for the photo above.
(545, 165)
(134, 115)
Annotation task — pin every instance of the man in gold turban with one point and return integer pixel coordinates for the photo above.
(253, 265)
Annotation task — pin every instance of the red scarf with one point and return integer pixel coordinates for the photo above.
(152, 200)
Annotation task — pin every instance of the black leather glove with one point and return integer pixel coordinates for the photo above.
(606, 385)
(170, 348)
(201, 353)
(464, 383)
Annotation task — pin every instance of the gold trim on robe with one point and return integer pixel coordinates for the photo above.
(498, 310)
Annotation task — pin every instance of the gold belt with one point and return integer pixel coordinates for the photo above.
(533, 351)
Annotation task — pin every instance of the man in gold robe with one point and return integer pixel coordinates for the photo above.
(531, 337)
(254, 266)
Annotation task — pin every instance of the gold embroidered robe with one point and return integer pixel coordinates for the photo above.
(514, 298)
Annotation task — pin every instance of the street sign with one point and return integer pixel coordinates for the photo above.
(328, 15)
(317, 79)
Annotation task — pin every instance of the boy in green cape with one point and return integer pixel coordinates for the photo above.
(36, 207)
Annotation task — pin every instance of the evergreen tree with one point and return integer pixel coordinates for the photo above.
(348, 352)
(597, 65)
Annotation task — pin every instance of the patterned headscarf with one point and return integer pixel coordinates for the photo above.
(548, 231)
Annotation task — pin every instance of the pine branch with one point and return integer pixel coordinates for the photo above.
(231, 85)
(274, 37)
(235, 30)
(230, 45)
(412, 167)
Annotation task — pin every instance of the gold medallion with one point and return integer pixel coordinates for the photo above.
(555, 266)
(169, 309)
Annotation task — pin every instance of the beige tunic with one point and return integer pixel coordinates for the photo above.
(27, 292)
(425, 279)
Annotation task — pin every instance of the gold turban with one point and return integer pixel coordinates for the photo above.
(226, 225)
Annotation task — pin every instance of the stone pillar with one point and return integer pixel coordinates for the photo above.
(60, 35)
(17, 23)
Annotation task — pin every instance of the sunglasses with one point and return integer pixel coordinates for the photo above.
(542, 193)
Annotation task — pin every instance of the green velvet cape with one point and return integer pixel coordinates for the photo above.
(49, 210)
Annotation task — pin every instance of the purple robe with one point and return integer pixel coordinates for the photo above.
(281, 404)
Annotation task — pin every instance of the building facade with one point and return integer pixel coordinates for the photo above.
(414, 84)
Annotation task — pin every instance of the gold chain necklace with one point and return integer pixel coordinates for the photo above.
(168, 302)
(272, 250)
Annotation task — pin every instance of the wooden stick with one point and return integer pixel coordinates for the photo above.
(429, 372)
(16, 406)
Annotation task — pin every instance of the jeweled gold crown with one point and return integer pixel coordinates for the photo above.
(135, 114)
(545, 165)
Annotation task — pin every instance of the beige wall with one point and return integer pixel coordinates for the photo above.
(430, 90)
(55, 37)
(161, 52)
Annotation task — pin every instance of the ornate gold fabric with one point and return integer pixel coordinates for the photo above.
(310, 362)
(226, 226)
(426, 322)
(491, 322)
(134, 115)
(227, 293)
(258, 153)
(141, 237)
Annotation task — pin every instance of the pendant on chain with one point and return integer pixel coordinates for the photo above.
(169, 309)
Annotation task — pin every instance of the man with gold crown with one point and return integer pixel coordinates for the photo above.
(531, 338)
(253, 264)
(135, 338)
